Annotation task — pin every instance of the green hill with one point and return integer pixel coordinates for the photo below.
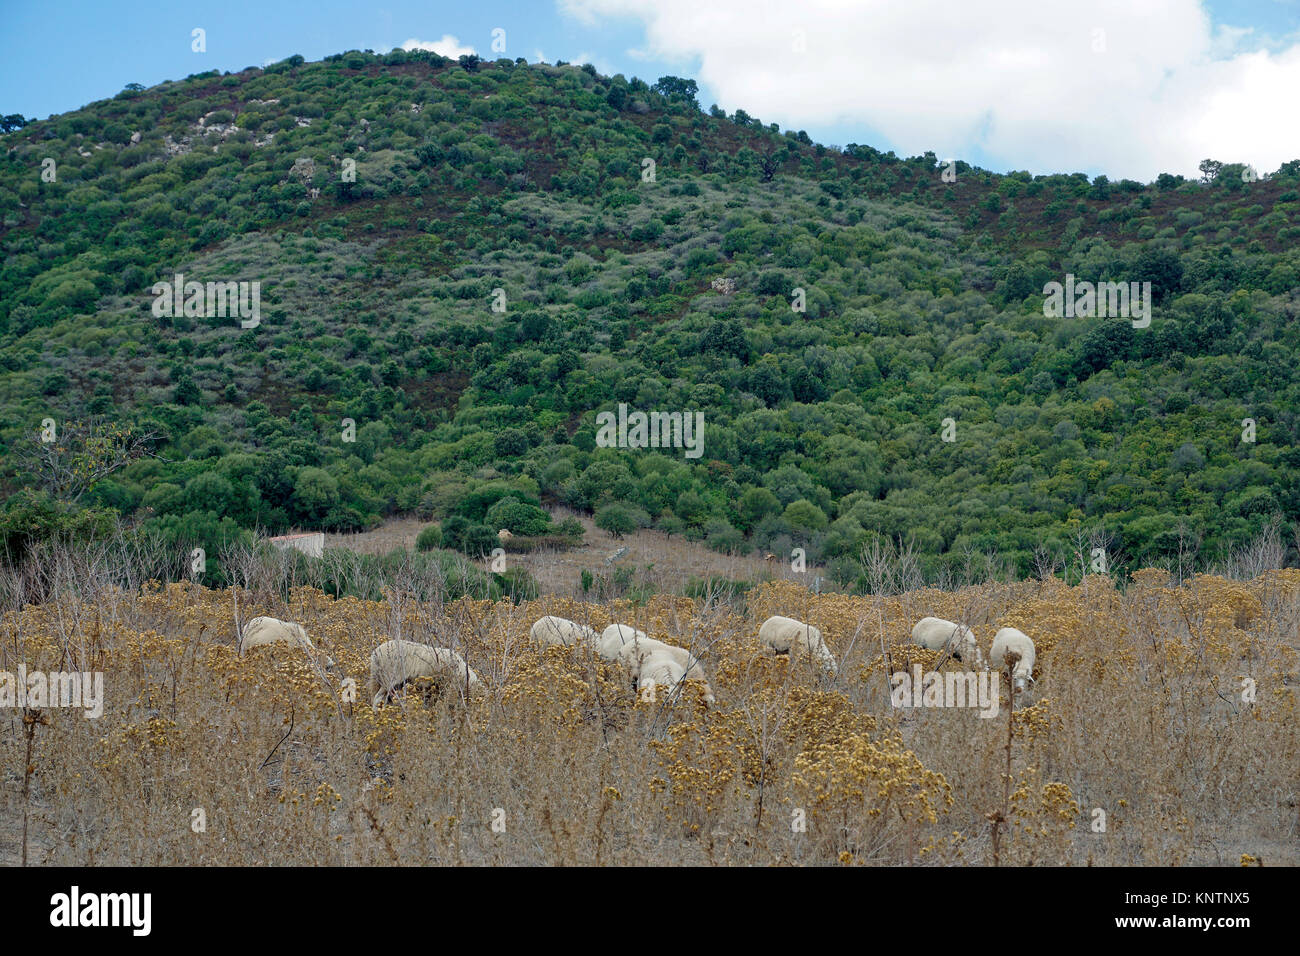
(382, 201)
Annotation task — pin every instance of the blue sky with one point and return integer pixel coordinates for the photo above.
(1125, 87)
(51, 64)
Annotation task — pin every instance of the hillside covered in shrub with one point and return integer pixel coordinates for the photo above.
(462, 263)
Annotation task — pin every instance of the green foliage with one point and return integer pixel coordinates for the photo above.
(517, 517)
(362, 576)
(478, 540)
(476, 504)
(515, 585)
(30, 518)
(678, 89)
(454, 530)
(716, 587)
(720, 536)
(315, 494)
(822, 427)
(571, 528)
(429, 538)
(806, 515)
(617, 519)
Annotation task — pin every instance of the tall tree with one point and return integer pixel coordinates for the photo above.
(70, 458)
(677, 89)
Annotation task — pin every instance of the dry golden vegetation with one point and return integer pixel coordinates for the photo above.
(202, 757)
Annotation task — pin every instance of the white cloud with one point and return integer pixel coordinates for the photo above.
(448, 46)
(1019, 79)
(602, 65)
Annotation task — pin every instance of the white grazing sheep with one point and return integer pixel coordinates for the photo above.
(646, 657)
(625, 644)
(261, 631)
(504, 534)
(937, 634)
(659, 670)
(610, 643)
(1009, 640)
(785, 635)
(393, 663)
(551, 630)
(666, 665)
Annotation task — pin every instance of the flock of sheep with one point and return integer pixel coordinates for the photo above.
(649, 663)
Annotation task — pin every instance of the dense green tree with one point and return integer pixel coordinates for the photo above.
(617, 519)
(517, 517)
(678, 89)
(315, 492)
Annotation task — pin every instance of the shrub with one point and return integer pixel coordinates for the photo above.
(670, 524)
(517, 517)
(804, 514)
(720, 536)
(516, 584)
(571, 528)
(716, 586)
(617, 519)
(479, 540)
(453, 532)
(429, 538)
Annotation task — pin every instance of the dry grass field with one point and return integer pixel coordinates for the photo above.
(1140, 718)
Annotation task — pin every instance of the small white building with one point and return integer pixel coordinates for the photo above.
(311, 543)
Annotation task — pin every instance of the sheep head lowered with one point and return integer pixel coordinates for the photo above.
(785, 635)
(1014, 648)
(395, 663)
(965, 647)
(937, 634)
(261, 631)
